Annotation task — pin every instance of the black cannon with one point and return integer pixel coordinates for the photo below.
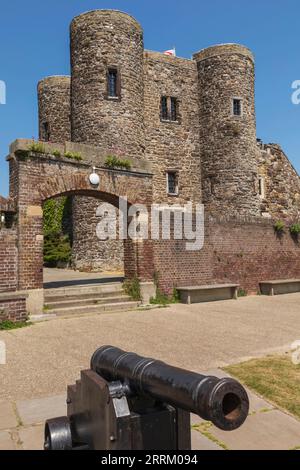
(127, 402)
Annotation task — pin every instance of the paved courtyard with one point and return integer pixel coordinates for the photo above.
(44, 358)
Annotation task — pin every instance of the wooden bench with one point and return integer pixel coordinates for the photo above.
(208, 293)
(280, 286)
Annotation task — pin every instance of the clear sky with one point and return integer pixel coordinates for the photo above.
(34, 43)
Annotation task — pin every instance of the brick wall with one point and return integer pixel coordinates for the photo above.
(8, 260)
(12, 304)
(250, 252)
(241, 251)
(39, 177)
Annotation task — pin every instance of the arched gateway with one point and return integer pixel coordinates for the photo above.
(37, 175)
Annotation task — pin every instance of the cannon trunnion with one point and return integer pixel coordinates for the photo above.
(128, 402)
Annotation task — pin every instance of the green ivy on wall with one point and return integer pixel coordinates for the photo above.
(57, 231)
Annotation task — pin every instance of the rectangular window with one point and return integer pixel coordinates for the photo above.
(172, 182)
(169, 109)
(164, 108)
(112, 78)
(237, 107)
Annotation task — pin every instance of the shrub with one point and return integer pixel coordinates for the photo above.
(295, 229)
(55, 212)
(112, 161)
(73, 156)
(37, 147)
(163, 299)
(57, 230)
(132, 288)
(56, 153)
(242, 293)
(279, 226)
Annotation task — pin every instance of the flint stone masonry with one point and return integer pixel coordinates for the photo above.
(55, 109)
(89, 253)
(100, 40)
(281, 184)
(228, 142)
(172, 146)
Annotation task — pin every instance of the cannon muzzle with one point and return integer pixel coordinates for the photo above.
(224, 402)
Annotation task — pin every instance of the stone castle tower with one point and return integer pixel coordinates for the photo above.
(194, 120)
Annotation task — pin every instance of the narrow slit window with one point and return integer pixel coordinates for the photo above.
(113, 83)
(261, 187)
(237, 107)
(46, 131)
(172, 183)
(164, 108)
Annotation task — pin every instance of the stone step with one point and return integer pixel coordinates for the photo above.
(96, 309)
(80, 291)
(65, 302)
(87, 297)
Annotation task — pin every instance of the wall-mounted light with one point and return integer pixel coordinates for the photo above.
(94, 178)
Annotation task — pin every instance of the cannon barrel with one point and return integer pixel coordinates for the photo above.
(222, 401)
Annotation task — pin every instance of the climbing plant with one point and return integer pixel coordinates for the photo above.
(57, 231)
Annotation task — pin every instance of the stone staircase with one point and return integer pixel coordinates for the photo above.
(87, 299)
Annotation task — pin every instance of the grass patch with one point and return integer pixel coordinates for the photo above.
(37, 147)
(73, 156)
(10, 325)
(112, 161)
(204, 429)
(276, 378)
(242, 293)
(163, 299)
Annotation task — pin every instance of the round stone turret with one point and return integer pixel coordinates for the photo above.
(228, 130)
(107, 82)
(54, 109)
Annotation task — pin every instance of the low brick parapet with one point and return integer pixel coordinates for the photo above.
(13, 306)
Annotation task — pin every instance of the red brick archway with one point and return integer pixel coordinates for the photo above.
(34, 178)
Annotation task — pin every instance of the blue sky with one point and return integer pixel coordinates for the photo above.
(34, 43)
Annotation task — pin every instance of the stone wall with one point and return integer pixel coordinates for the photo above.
(172, 145)
(89, 252)
(242, 251)
(281, 184)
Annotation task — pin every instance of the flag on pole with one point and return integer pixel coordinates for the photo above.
(171, 52)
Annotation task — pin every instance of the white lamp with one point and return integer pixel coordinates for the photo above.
(94, 178)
